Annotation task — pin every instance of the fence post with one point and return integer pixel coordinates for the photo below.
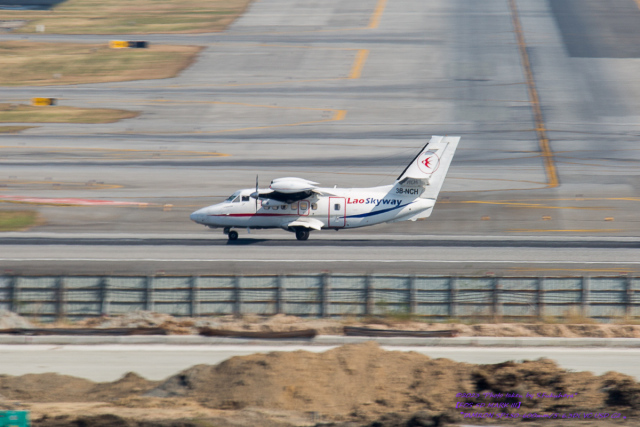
(540, 298)
(13, 294)
(60, 298)
(453, 297)
(104, 296)
(497, 305)
(148, 294)
(628, 301)
(586, 290)
(368, 295)
(194, 306)
(326, 288)
(237, 294)
(412, 295)
(279, 294)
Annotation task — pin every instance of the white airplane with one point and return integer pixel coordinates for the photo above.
(298, 205)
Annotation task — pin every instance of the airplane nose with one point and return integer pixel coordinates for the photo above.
(198, 216)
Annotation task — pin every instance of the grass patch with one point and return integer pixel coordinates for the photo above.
(12, 113)
(38, 64)
(18, 220)
(14, 129)
(132, 17)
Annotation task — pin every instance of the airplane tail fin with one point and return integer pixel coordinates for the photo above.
(428, 169)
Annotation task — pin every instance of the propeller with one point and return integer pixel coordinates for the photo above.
(257, 193)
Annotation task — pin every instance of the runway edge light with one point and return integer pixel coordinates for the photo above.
(41, 102)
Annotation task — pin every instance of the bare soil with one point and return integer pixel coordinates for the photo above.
(14, 129)
(353, 385)
(38, 63)
(126, 17)
(284, 323)
(17, 113)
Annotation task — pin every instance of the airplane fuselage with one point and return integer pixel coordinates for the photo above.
(300, 206)
(343, 208)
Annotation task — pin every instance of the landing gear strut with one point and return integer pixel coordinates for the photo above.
(233, 235)
(302, 234)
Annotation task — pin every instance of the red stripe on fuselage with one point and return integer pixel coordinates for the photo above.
(257, 214)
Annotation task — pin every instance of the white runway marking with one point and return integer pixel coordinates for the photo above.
(423, 261)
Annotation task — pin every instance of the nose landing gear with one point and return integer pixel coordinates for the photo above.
(231, 234)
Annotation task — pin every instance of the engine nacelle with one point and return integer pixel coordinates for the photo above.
(292, 185)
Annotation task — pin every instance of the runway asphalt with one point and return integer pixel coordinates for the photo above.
(269, 253)
(345, 96)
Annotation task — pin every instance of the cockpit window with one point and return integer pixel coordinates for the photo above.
(234, 197)
(245, 198)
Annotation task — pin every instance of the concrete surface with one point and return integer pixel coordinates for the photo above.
(321, 340)
(156, 362)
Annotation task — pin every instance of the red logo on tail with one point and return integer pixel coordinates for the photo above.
(428, 162)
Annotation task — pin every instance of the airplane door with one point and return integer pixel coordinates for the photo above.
(303, 208)
(337, 212)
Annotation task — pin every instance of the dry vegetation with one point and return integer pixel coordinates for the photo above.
(15, 113)
(17, 220)
(14, 129)
(127, 17)
(38, 64)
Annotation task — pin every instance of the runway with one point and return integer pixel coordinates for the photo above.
(267, 252)
(346, 96)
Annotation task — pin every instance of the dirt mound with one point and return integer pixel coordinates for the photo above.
(10, 320)
(143, 319)
(131, 384)
(359, 384)
(108, 420)
(371, 381)
(44, 388)
(374, 382)
(284, 323)
(64, 388)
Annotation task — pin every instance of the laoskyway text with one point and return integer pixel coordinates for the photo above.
(377, 202)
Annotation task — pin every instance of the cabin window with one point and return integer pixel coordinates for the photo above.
(266, 207)
(336, 207)
(314, 206)
(245, 198)
(294, 206)
(275, 208)
(283, 207)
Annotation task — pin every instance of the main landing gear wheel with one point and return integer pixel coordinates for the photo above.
(233, 235)
(302, 234)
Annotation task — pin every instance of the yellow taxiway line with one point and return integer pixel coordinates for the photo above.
(377, 15)
(543, 140)
(358, 64)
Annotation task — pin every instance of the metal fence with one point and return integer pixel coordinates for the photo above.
(328, 295)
